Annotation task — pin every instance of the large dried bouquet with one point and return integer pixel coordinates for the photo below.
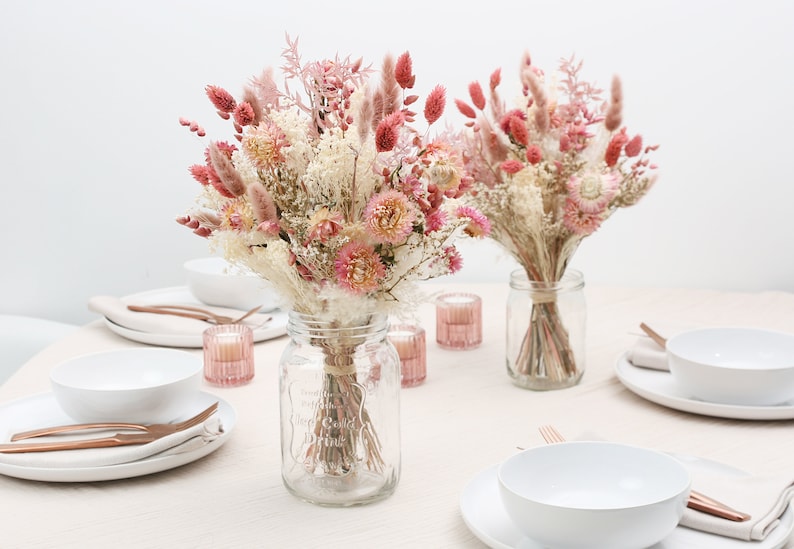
(549, 171)
(333, 191)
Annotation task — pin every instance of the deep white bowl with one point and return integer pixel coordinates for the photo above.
(739, 366)
(137, 385)
(214, 281)
(594, 494)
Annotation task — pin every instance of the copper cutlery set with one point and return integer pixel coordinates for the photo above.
(197, 313)
(150, 434)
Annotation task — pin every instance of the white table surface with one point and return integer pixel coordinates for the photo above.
(466, 417)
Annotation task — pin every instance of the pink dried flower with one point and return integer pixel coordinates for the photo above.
(477, 97)
(496, 79)
(263, 145)
(453, 259)
(616, 144)
(270, 228)
(518, 130)
(403, 71)
(478, 225)
(465, 109)
(579, 222)
(634, 147)
(222, 99)
(614, 115)
(225, 170)
(358, 268)
(435, 220)
(511, 166)
(262, 203)
(323, 225)
(235, 215)
(535, 87)
(200, 173)
(534, 155)
(434, 104)
(388, 132)
(244, 114)
(507, 120)
(389, 217)
(592, 191)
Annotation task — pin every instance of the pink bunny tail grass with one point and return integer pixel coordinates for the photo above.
(403, 71)
(465, 109)
(614, 116)
(477, 96)
(388, 132)
(634, 146)
(222, 99)
(389, 88)
(365, 114)
(262, 203)
(223, 166)
(535, 87)
(435, 103)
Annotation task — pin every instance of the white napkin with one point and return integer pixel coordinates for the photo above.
(177, 443)
(646, 353)
(763, 497)
(115, 310)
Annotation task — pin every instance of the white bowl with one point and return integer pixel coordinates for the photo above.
(136, 385)
(738, 366)
(594, 494)
(214, 281)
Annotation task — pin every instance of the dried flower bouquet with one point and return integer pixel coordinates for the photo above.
(548, 173)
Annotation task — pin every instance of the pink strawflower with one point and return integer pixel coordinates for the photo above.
(235, 215)
(388, 132)
(592, 191)
(478, 225)
(403, 71)
(389, 217)
(263, 145)
(358, 268)
(323, 225)
(580, 222)
(511, 166)
(453, 259)
(477, 97)
(465, 109)
(534, 155)
(434, 221)
(222, 99)
(270, 228)
(434, 104)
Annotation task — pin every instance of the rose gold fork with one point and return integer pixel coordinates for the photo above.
(697, 501)
(151, 433)
(192, 312)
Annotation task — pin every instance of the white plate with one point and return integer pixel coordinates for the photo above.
(658, 386)
(484, 514)
(277, 327)
(41, 410)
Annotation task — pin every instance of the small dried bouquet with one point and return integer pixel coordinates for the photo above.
(332, 189)
(548, 172)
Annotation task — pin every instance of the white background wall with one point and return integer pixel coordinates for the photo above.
(94, 164)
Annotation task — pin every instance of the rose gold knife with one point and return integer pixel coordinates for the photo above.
(119, 439)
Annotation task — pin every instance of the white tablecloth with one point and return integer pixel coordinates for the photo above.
(464, 418)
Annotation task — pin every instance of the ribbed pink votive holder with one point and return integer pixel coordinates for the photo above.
(409, 340)
(458, 321)
(228, 355)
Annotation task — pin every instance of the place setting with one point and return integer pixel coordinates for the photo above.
(177, 316)
(728, 371)
(114, 414)
(622, 496)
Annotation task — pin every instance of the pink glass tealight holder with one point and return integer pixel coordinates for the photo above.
(228, 355)
(409, 340)
(458, 321)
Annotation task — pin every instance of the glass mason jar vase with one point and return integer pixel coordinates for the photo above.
(340, 411)
(546, 331)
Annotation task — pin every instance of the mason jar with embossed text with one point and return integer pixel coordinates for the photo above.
(340, 410)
